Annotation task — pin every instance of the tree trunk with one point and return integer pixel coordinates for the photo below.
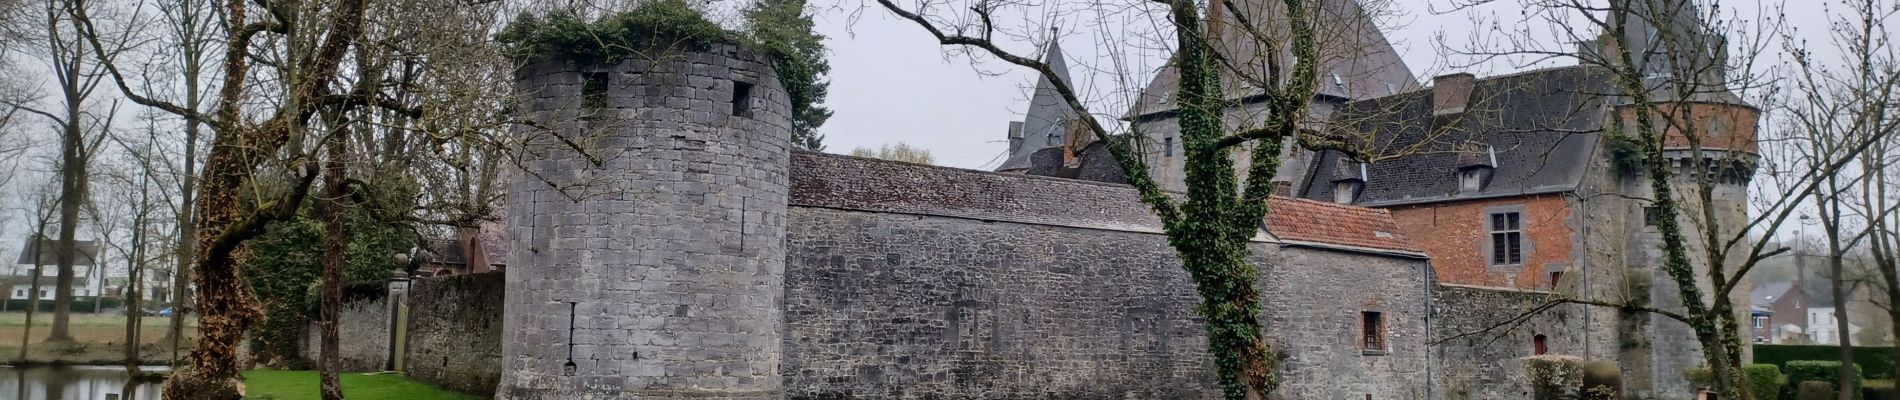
(187, 213)
(226, 306)
(336, 246)
(72, 196)
(135, 276)
(32, 304)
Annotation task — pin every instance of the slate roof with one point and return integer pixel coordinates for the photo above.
(865, 184)
(1766, 293)
(1043, 123)
(1544, 126)
(1351, 47)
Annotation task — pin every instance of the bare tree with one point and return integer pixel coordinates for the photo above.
(1841, 111)
(898, 152)
(80, 129)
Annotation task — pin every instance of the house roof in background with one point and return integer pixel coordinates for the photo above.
(88, 252)
(1767, 293)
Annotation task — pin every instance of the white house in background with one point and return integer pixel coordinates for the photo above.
(19, 278)
(1824, 329)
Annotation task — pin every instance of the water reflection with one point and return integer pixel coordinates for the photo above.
(74, 383)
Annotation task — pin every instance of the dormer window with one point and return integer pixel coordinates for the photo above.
(1350, 182)
(1475, 168)
(1474, 178)
(1346, 191)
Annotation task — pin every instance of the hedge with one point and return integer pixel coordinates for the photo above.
(1760, 378)
(1875, 362)
(80, 305)
(1821, 371)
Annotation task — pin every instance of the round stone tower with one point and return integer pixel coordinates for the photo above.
(648, 229)
(1721, 134)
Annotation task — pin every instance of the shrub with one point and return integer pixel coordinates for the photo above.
(1879, 390)
(1815, 390)
(1763, 380)
(1550, 375)
(1700, 377)
(1602, 380)
(1827, 372)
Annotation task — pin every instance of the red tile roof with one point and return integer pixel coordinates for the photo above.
(1304, 220)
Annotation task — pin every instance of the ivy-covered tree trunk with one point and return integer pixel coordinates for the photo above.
(1221, 215)
(1211, 228)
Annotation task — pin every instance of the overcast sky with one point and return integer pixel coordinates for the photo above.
(890, 82)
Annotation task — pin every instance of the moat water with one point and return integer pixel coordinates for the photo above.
(74, 383)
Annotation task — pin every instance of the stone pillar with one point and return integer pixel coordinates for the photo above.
(648, 238)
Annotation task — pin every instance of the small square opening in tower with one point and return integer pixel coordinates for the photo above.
(741, 98)
(594, 90)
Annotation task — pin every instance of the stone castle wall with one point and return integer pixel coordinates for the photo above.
(1000, 286)
(363, 324)
(1483, 332)
(455, 332)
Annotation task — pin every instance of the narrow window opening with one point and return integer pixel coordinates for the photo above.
(741, 98)
(1372, 330)
(1556, 278)
(594, 90)
(1540, 344)
(1507, 238)
(1651, 216)
(1167, 147)
(569, 367)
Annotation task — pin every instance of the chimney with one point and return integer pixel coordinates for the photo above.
(1451, 93)
(1015, 136)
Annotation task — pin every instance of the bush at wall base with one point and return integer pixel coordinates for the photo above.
(1804, 371)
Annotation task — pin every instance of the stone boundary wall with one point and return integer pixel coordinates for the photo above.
(1472, 363)
(363, 326)
(889, 305)
(455, 332)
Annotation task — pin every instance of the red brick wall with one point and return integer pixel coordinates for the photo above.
(1454, 234)
(1717, 126)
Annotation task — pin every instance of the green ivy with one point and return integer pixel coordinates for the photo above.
(781, 29)
(1626, 154)
(284, 268)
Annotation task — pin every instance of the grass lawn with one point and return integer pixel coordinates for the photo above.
(301, 385)
(99, 337)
